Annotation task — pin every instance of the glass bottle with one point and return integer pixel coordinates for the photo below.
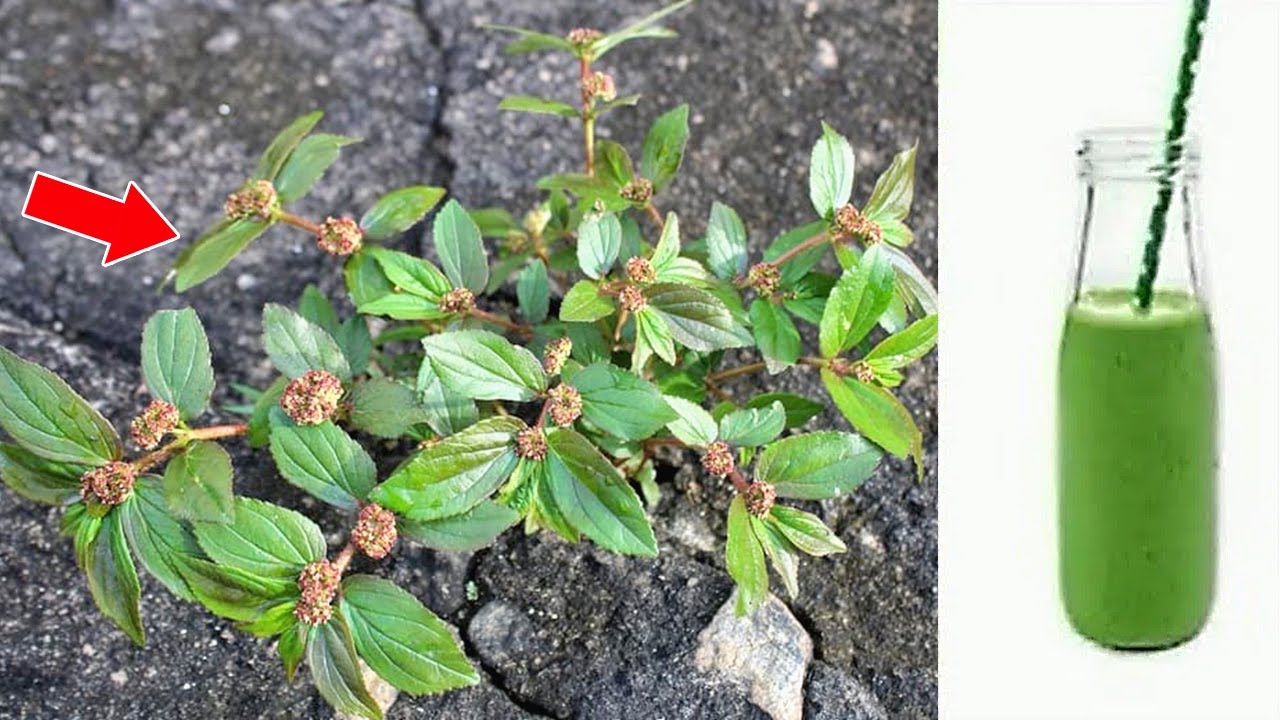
(1137, 454)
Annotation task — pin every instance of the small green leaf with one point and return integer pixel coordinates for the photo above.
(876, 413)
(642, 28)
(211, 252)
(308, 161)
(663, 147)
(411, 274)
(325, 462)
(455, 474)
(698, 320)
(46, 417)
(472, 530)
(831, 167)
(599, 239)
(398, 210)
(260, 421)
(654, 334)
(530, 41)
(595, 498)
(694, 426)
(620, 403)
(484, 366)
(907, 346)
(585, 303)
(157, 537)
(292, 648)
(335, 670)
(526, 103)
(461, 250)
(856, 303)
(913, 286)
(817, 466)
(278, 151)
(726, 242)
(113, 580)
(37, 479)
(447, 412)
(781, 553)
(799, 409)
(751, 427)
(744, 559)
(776, 335)
(805, 531)
(385, 408)
(231, 593)
(534, 292)
(176, 363)
(197, 484)
(494, 222)
(405, 643)
(264, 539)
(620, 101)
(613, 164)
(890, 201)
(667, 250)
(296, 345)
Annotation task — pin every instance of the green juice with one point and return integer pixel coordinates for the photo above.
(1137, 464)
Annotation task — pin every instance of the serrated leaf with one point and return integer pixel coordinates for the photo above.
(292, 647)
(775, 334)
(399, 210)
(447, 412)
(805, 531)
(750, 427)
(890, 201)
(405, 643)
(46, 417)
(698, 320)
(654, 334)
(231, 593)
(411, 274)
(335, 670)
(744, 559)
(297, 345)
(325, 462)
(530, 41)
(620, 403)
(726, 242)
(876, 413)
(796, 268)
(211, 252)
(694, 426)
(484, 366)
(642, 28)
(856, 303)
(526, 103)
(113, 580)
(663, 147)
(455, 474)
(375, 294)
(595, 498)
(277, 152)
(599, 240)
(585, 303)
(799, 409)
(781, 554)
(907, 346)
(385, 408)
(260, 421)
(913, 285)
(176, 363)
(818, 465)
(533, 292)
(472, 530)
(613, 164)
(667, 251)
(461, 250)
(831, 166)
(38, 479)
(264, 539)
(197, 484)
(308, 161)
(156, 537)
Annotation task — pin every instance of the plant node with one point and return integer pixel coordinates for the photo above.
(109, 484)
(850, 223)
(255, 201)
(457, 301)
(599, 86)
(632, 299)
(157, 419)
(638, 190)
(759, 498)
(375, 531)
(718, 459)
(583, 37)
(531, 444)
(311, 398)
(764, 278)
(640, 271)
(340, 236)
(863, 372)
(555, 353)
(564, 404)
(317, 583)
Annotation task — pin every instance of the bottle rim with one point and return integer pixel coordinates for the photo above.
(1137, 153)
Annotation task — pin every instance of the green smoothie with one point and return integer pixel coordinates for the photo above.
(1137, 462)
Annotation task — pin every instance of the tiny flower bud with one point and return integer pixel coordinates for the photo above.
(339, 236)
(158, 419)
(759, 498)
(375, 531)
(718, 459)
(840, 367)
(109, 484)
(640, 271)
(564, 404)
(311, 398)
(583, 37)
(863, 372)
(554, 355)
(637, 190)
(535, 221)
(516, 241)
(317, 585)
(632, 299)
(531, 444)
(764, 278)
(457, 301)
(313, 613)
(599, 86)
(849, 222)
(256, 200)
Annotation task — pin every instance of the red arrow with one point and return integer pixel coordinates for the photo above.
(127, 227)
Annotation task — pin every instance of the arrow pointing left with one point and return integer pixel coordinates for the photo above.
(128, 226)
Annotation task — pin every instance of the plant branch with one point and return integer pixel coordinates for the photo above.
(740, 483)
(656, 216)
(588, 117)
(799, 248)
(289, 218)
(173, 447)
(489, 317)
(344, 558)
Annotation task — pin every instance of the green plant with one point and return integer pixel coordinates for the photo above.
(551, 430)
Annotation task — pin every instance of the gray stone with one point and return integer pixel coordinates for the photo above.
(766, 653)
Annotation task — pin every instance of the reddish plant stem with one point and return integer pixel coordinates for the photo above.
(588, 118)
(289, 218)
(754, 367)
(213, 432)
(489, 317)
(617, 329)
(656, 216)
(799, 248)
(542, 415)
(740, 483)
(344, 558)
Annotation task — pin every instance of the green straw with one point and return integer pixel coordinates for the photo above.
(1172, 152)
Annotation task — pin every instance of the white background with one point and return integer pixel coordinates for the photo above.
(1018, 81)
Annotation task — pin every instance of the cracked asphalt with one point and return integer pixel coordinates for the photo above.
(181, 96)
